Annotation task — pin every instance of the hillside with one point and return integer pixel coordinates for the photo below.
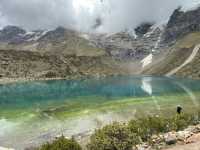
(182, 35)
(60, 53)
(23, 64)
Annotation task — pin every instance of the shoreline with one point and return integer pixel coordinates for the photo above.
(4, 81)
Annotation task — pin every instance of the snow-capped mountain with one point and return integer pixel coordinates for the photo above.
(148, 49)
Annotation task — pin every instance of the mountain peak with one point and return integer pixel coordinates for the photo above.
(182, 23)
(11, 33)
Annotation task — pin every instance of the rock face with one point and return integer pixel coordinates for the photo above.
(12, 34)
(182, 23)
(143, 29)
(127, 45)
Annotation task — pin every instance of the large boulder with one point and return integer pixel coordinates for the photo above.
(170, 138)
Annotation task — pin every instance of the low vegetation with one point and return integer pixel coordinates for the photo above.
(61, 144)
(123, 136)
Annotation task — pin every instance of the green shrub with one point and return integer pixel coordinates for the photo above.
(146, 127)
(179, 122)
(124, 136)
(61, 144)
(113, 137)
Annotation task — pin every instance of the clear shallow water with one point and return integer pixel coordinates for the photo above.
(35, 111)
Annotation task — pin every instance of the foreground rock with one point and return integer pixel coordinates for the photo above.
(170, 138)
(188, 139)
(193, 146)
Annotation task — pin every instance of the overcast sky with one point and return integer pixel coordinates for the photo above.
(115, 15)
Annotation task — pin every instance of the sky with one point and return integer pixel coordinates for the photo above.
(87, 15)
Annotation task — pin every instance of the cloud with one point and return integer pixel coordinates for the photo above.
(34, 14)
(82, 15)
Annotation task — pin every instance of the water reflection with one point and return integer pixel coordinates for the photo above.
(147, 87)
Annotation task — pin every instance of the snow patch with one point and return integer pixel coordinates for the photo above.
(159, 26)
(36, 35)
(147, 60)
(30, 33)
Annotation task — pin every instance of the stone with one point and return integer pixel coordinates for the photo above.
(195, 129)
(193, 139)
(156, 139)
(170, 138)
(143, 146)
(183, 135)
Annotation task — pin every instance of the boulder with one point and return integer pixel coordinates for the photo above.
(170, 138)
(193, 139)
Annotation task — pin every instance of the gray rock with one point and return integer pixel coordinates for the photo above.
(170, 138)
(181, 23)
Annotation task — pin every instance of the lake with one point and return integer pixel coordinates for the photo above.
(37, 111)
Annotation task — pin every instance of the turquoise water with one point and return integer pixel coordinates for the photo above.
(42, 92)
(35, 111)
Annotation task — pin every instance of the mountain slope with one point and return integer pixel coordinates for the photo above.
(58, 41)
(176, 55)
(26, 64)
(182, 35)
(60, 53)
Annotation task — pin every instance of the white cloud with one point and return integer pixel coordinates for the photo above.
(81, 14)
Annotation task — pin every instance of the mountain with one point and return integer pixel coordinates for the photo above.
(181, 23)
(181, 56)
(153, 49)
(53, 54)
(58, 41)
(127, 45)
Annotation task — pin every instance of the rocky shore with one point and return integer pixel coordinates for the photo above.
(187, 139)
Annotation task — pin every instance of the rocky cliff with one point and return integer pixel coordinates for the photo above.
(181, 35)
(181, 23)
